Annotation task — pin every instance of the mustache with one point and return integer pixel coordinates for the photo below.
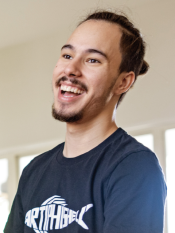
(73, 81)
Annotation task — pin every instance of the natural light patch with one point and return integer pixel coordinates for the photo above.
(170, 173)
(24, 161)
(146, 140)
(4, 203)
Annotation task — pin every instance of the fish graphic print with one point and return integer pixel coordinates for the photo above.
(54, 215)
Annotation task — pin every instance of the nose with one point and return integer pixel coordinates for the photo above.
(73, 68)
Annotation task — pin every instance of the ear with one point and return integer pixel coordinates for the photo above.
(124, 82)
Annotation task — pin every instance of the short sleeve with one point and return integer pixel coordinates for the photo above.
(135, 196)
(15, 222)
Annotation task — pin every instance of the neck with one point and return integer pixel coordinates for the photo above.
(82, 137)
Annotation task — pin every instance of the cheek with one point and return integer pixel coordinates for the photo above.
(98, 87)
(99, 80)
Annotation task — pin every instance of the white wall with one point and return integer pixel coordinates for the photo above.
(26, 93)
(151, 102)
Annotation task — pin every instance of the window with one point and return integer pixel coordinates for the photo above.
(4, 203)
(170, 173)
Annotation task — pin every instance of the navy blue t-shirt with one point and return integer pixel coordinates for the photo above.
(117, 187)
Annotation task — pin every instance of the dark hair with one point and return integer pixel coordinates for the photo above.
(132, 45)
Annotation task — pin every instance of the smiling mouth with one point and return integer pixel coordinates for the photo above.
(70, 91)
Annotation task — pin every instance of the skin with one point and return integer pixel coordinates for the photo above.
(91, 56)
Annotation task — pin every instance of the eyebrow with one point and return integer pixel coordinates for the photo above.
(96, 51)
(69, 46)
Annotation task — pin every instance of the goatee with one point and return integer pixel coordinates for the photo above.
(69, 118)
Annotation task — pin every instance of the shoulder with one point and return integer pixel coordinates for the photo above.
(133, 160)
(41, 161)
(138, 170)
(135, 194)
(126, 144)
(124, 147)
(139, 163)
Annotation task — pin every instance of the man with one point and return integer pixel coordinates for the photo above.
(100, 179)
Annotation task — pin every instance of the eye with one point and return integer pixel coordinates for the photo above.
(93, 61)
(67, 56)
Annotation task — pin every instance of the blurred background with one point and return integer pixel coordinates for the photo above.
(31, 35)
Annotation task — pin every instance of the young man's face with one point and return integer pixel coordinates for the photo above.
(86, 71)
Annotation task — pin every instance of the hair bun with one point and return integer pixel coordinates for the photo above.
(144, 68)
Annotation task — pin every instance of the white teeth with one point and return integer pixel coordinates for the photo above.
(71, 89)
(68, 88)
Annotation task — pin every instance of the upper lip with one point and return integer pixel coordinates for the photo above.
(73, 82)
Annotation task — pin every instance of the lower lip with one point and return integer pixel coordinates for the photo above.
(68, 98)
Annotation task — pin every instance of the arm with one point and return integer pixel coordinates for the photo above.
(15, 222)
(135, 196)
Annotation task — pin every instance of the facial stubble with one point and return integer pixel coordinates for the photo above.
(61, 116)
(95, 106)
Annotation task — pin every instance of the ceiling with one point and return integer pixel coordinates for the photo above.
(27, 20)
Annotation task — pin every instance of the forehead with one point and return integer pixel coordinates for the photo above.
(97, 34)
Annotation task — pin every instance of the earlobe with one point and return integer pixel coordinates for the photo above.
(124, 82)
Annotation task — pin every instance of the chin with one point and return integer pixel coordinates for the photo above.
(66, 117)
